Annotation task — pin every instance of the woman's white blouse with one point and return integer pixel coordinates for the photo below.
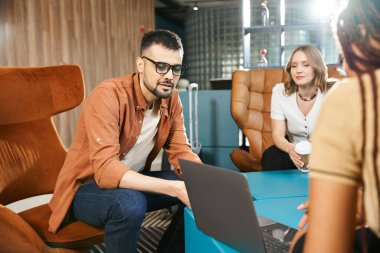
(285, 107)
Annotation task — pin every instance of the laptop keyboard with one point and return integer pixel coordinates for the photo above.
(273, 245)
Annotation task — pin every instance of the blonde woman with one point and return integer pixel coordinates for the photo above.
(295, 106)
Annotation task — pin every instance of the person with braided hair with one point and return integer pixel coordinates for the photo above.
(346, 144)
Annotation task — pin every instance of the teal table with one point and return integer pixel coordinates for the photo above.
(277, 195)
(282, 210)
(278, 184)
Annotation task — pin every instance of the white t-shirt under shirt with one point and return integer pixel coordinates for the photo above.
(136, 157)
(285, 107)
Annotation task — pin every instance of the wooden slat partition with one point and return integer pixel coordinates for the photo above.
(102, 36)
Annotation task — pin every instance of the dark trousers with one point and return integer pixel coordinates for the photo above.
(173, 240)
(122, 211)
(276, 159)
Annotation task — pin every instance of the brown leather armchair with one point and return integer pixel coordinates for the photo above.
(250, 108)
(32, 154)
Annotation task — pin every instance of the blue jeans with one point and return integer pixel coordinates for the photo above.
(120, 211)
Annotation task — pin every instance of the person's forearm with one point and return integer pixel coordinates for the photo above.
(137, 181)
(331, 217)
(282, 143)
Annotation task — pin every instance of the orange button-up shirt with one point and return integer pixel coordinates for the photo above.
(108, 128)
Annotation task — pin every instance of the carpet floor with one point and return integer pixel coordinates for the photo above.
(154, 225)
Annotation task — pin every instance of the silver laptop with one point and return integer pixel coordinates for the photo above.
(223, 208)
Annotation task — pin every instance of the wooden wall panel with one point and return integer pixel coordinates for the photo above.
(102, 36)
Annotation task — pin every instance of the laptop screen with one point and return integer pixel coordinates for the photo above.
(223, 207)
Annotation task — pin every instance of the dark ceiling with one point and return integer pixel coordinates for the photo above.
(172, 10)
(177, 10)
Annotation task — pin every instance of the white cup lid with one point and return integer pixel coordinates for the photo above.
(303, 147)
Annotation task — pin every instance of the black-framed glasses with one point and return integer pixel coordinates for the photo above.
(163, 67)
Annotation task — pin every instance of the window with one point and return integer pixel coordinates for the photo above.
(215, 44)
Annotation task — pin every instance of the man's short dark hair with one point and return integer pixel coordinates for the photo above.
(165, 38)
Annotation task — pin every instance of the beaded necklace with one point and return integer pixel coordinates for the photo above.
(307, 99)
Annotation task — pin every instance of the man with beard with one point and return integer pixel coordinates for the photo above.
(106, 179)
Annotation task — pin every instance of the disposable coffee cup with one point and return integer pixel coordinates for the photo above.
(303, 148)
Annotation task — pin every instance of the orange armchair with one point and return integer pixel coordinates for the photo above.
(32, 154)
(250, 108)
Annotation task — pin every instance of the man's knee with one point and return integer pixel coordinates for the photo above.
(129, 207)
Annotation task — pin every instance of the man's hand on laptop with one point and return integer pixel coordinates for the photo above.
(179, 191)
(304, 219)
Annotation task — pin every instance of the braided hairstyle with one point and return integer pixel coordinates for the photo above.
(358, 31)
(359, 26)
